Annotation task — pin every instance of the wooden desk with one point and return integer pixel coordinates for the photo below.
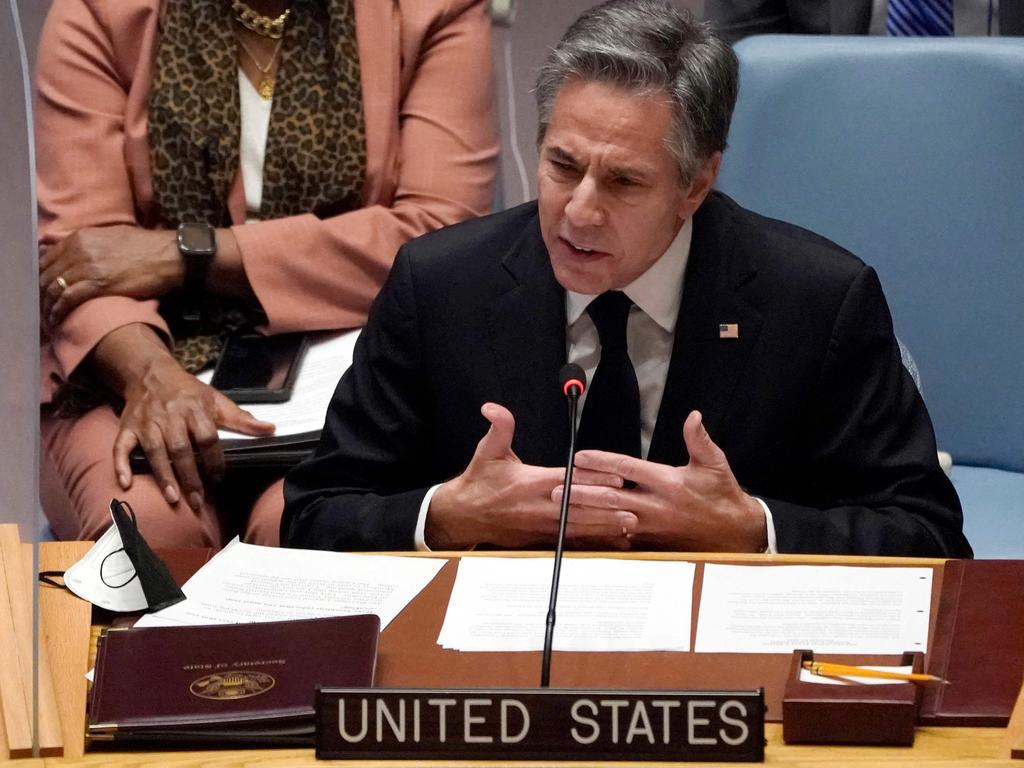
(70, 643)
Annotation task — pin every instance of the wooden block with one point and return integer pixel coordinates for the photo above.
(1015, 731)
(65, 622)
(18, 557)
(15, 699)
(849, 714)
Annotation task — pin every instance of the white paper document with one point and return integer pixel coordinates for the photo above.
(327, 358)
(500, 604)
(247, 583)
(827, 609)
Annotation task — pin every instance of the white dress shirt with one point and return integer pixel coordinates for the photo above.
(650, 334)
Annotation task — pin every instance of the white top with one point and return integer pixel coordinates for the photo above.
(252, 147)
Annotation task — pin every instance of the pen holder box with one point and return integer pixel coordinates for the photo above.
(815, 713)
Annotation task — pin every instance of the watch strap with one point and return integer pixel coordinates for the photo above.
(197, 245)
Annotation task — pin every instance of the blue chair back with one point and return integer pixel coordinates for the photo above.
(910, 153)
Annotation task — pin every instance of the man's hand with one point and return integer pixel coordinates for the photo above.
(107, 261)
(498, 500)
(696, 508)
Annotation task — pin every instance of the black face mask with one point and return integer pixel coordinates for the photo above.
(155, 579)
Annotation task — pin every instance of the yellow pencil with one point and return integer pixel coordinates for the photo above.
(848, 670)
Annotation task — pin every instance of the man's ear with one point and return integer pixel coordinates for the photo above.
(701, 184)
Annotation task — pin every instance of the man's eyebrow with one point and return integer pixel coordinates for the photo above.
(558, 154)
(561, 155)
(629, 171)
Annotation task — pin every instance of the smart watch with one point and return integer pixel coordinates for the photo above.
(197, 244)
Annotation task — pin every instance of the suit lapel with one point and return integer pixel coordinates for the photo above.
(705, 368)
(527, 326)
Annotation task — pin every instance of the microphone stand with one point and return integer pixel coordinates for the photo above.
(573, 393)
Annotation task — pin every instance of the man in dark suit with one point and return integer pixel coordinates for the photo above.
(770, 409)
(736, 19)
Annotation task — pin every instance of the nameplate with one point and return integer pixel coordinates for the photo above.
(539, 724)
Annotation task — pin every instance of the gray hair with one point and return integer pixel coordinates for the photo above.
(651, 47)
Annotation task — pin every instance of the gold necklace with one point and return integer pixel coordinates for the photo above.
(266, 86)
(257, 22)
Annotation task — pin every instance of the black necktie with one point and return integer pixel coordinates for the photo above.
(611, 415)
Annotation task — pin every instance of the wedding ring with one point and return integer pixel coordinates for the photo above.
(61, 283)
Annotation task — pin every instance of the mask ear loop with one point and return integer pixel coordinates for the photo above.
(103, 563)
(129, 514)
(49, 578)
(125, 507)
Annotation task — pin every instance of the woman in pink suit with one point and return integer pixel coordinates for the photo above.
(209, 165)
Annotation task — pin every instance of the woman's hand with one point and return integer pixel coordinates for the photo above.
(175, 417)
(118, 260)
(170, 413)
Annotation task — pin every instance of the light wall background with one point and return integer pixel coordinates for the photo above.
(19, 334)
(32, 13)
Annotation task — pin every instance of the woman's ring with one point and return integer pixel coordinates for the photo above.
(61, 283)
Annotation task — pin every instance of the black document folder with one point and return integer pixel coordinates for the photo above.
(273, 452)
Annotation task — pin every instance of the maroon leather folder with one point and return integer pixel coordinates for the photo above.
(978, 645)
(229, 685)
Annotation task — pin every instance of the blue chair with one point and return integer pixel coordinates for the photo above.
(910, 153)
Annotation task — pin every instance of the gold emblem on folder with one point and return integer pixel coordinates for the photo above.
(228, 686)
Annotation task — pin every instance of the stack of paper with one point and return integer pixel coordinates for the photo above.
(246, 583)
(500, 604)
(828, 609)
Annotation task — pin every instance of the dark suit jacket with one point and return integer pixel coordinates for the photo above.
(736, 19)
(811, 403)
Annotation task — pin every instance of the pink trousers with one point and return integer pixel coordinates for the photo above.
(77, 483)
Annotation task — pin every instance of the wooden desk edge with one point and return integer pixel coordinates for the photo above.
(65, 624)
(1015, 730)
(731, 557)
(934, 748)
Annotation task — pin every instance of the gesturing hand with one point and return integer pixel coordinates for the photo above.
(119, 260)
(697, 508)
(174, 416)
(501, 501)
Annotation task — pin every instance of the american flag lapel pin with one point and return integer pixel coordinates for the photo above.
(728, 330)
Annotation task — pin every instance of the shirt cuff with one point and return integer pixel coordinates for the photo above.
(769, 522)
(418, 540)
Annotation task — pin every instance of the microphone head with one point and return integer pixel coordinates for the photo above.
(572, 377)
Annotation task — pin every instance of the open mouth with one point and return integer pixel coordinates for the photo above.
(582, 249)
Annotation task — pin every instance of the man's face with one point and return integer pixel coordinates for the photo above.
(610, 195)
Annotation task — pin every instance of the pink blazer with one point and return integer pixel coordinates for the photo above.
(430, 141)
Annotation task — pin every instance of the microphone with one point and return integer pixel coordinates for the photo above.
(573, 381)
